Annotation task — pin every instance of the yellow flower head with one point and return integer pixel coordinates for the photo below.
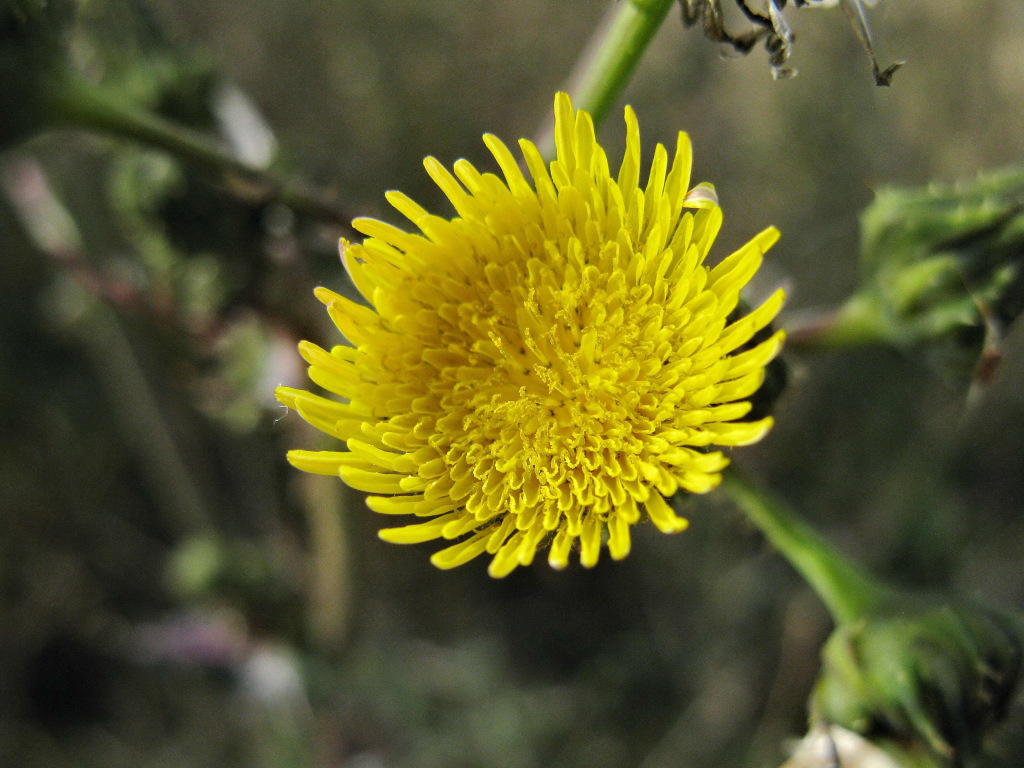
(549, 365)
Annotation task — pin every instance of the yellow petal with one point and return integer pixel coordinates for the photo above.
(461, 553)
(663, 516)
(418, 533)
(372, 482)
(618, 537)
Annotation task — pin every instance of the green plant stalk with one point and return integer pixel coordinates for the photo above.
(606, 71)
(609, 59)
(848, 592)
(80, 104)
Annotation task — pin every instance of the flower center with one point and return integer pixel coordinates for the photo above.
(564, 419)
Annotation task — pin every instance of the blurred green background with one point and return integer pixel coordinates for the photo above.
(172, 593)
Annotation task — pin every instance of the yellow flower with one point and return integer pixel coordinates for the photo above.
(548, 366)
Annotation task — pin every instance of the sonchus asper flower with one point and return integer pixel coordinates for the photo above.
(547, 367)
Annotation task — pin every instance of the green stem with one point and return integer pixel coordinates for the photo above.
(847, 591)
(610, 58)
(84, 105)
(858, 323)
(617, 54)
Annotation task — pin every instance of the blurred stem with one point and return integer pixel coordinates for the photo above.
(143, 424)
(137, 413)
(330, 584)
(84, 105)
(847, 591)
(858, 323)
(610, 58)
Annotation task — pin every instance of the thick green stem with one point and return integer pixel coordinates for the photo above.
(84, 105)
(610, 58)
(847, 591)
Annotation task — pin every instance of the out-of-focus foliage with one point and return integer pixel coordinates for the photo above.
(944, 267)
(173, 594)
(32, 57)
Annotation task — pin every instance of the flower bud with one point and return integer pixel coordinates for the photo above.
(943, 267)
(933, 678)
